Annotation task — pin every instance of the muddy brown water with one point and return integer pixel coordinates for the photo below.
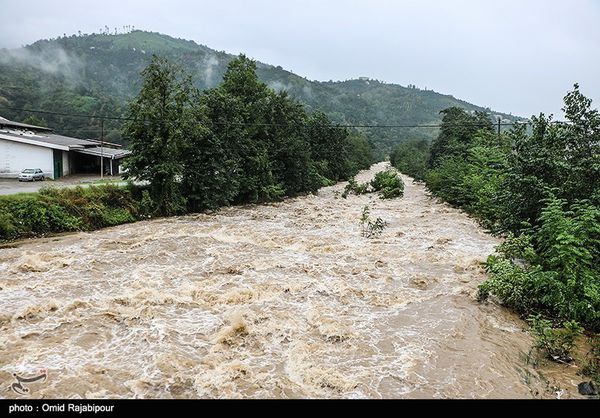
(282, 300)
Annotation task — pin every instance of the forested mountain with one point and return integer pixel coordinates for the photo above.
(99, 73)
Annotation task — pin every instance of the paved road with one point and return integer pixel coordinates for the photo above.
(13, 186)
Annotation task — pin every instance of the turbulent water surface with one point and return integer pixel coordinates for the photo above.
(283, 300)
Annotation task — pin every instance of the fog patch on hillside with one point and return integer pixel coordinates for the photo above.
(51, 60)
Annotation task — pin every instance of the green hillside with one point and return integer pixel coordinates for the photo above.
(98, 73)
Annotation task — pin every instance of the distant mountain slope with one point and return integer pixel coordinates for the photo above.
(98, 73)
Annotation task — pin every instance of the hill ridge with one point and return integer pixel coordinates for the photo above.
(95, 73)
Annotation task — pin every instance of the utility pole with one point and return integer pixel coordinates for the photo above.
(102, 149)
(499, 120)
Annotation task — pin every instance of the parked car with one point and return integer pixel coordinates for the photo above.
(31, 174)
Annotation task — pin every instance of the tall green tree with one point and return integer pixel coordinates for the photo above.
(582, 146)
(208, 170)
(329, 146)
(361, 152)
(456, 133)
(161, 118)
(556, 160)
(292, 163)
(244, 131)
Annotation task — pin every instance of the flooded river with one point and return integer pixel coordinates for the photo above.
(283, 300)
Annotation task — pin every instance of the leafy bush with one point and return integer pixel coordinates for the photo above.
(592, 364)
(7, 225)
(353, 187)
(447, 181)
(68, 209)
(116, 216)
(557, 344)
(389, 184)
(147, 206)
(552, 269)
(371, 228)
(273, 192)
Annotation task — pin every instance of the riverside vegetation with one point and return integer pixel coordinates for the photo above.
(541, 190)
(240, 142)
(387, 183)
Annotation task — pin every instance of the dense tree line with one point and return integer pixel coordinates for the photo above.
(411, 156)
(236, 143)
(541, 188)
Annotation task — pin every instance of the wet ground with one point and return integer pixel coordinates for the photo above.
(14, 186)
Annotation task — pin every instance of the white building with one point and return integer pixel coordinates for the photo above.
(26, 146)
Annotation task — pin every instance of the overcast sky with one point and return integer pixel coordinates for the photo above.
(518, 56)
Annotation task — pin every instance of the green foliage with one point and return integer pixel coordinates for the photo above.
(560, 159)
(239, 142)
(62, 210)
(447, 180)
(542, 187)
(353, 187)
(147, 207)
(388, 183)
(161, 120)
(329, 146)
(411, 158)
(457, 134)
(474, 180)
(361, 153)
(371, 228)
(262, 146)
(552, 269)
(557, 344)
(208, 170)
(8, 224)
(592, 364)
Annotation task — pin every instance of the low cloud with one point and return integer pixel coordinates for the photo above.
(54, 60)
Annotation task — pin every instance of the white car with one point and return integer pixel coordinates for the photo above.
(31, 174)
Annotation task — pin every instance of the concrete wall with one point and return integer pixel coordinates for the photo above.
(15, 157)
(66, 163)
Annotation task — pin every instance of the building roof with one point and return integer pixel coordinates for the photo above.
(43, 137)
(9, 123)
(111, 153)
(48, 140)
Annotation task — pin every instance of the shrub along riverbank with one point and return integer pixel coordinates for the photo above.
(539, 188)
(55, 210)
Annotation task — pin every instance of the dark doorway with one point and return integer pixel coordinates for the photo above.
(85, 164)
(58, 164)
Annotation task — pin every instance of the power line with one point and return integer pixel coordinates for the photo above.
(76, 115)
(364, 126)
